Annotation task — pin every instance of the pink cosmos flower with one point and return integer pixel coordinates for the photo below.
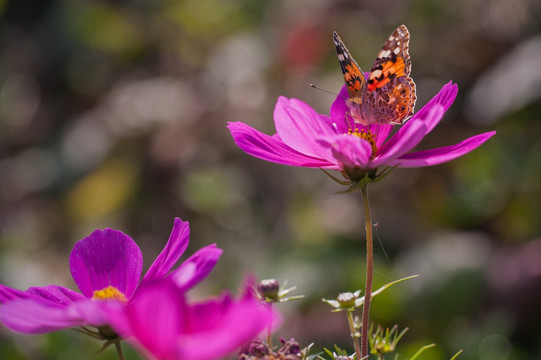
(106, 266)
(305, 138)
(164, 326)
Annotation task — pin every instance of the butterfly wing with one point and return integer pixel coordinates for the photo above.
(391, 92)
(393, 59)
(353, 75)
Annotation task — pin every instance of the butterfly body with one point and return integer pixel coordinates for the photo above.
(387, 95)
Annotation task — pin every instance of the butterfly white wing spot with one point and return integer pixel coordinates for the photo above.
(376, 73)
(384, 54)
(396, 51)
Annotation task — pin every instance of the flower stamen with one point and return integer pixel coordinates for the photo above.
(109, 293)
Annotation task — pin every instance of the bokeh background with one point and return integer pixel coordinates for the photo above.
(113, 114)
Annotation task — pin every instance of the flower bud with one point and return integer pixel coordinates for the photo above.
(346, 300)
(268, 289)
(290, 347)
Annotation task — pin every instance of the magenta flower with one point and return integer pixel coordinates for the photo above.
(164, 326)
(106, 266)
(305, 138)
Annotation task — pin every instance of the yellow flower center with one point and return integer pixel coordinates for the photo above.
(368, 136)
(109, 293)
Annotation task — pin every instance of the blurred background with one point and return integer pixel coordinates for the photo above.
(113, 114)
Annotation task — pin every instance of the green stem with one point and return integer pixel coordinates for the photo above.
(369, 271)
(269, 329)
(119, 350)
(354, 336)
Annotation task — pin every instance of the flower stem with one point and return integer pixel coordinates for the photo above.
(119, 350)
(369, 271)
(354, 335)
(269, 328)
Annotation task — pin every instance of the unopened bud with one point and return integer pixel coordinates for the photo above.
(268, 289)
(346, 300)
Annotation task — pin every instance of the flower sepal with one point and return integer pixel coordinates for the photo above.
(358, 178)
(104, 333)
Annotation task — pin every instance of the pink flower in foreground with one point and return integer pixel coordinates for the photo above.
(106, 266)
(305, 138)
(163, 325)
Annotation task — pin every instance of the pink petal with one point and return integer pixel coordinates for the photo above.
(443, 98)
(272, 148)
(173, 250)
(405, 140)
(443, 154)
(106, 258)
(339, 110)
(56, 294)
(228, 323)
(35, 317)
(197, 267)
(31, 317)
(161, 324)
(8, 294)
(154, 320)
(298, 125)
(92, 312)
(350, 151)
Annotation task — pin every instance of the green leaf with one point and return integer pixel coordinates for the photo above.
(421, 350)
(360, 300)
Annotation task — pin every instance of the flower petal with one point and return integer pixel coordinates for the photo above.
(32, 317)
(298, 125)
(160, 323)
(92, 312)
(443, 154)
(350, 151)
(56, 294)
(219, 327)
(406, 139)
(154, 320)
(197, 267)
(444, 98)
(8, 294)
(339, 110)
(173, 250)
(272, 148)
(36, 317)
(106, 258)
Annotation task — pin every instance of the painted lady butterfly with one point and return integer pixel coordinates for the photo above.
(388, 95)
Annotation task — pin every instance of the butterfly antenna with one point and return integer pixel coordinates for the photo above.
(320, 89)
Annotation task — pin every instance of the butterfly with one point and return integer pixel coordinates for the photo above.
(387, 95)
